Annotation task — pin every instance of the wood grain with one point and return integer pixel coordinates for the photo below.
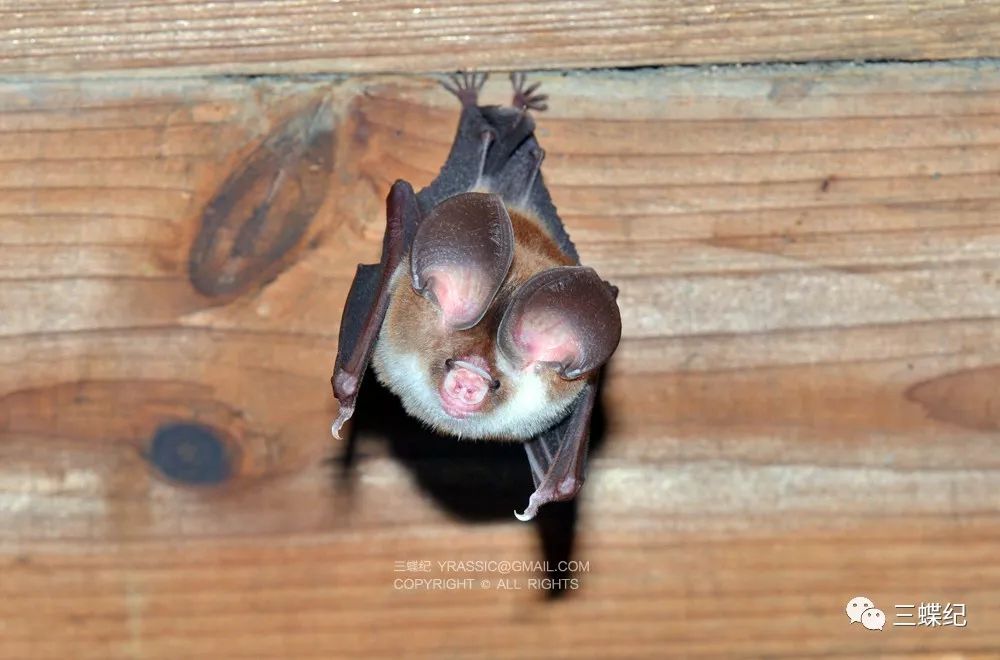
(804, 407)
(180, 37)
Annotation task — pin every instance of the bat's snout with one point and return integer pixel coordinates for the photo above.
(465, 386)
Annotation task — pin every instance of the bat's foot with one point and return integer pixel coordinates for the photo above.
(466, 86)
(525, 98)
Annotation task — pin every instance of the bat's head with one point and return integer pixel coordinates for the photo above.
(486, 335)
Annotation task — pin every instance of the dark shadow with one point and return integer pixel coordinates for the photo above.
(474, 481)
(557, 533)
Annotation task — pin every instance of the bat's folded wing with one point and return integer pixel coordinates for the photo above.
(368, 301)
(558, 456)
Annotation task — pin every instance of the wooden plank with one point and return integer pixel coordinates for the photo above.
(185, 37)
(646, 594)
(803, 408)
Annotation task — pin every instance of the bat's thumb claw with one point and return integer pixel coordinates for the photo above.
(342, 417)
(532, 509)
(550, 490)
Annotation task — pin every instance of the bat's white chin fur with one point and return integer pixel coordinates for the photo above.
(524, 415)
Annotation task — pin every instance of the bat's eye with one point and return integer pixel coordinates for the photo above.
(495, 385)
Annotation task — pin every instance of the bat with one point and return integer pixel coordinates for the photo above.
(479, 316)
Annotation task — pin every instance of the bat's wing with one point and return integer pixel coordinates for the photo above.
(368, 301)
(558, 457)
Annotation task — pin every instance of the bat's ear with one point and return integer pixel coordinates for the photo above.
(565, 318)
(461, 254)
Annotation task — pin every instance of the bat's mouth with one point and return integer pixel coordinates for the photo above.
(464, 388)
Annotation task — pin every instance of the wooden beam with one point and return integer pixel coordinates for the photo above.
(804, 407)
(178, 37)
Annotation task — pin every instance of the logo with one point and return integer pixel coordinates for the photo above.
(860, 609)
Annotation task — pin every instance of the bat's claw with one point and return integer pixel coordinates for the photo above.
(525, 98)
(345, 414)
(531, 511)
(550, 490)
(466, 86)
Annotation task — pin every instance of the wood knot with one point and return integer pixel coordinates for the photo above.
(260, 213)
(191, 454)
(969, 398)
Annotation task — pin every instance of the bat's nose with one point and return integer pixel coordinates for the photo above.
(464, 388)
